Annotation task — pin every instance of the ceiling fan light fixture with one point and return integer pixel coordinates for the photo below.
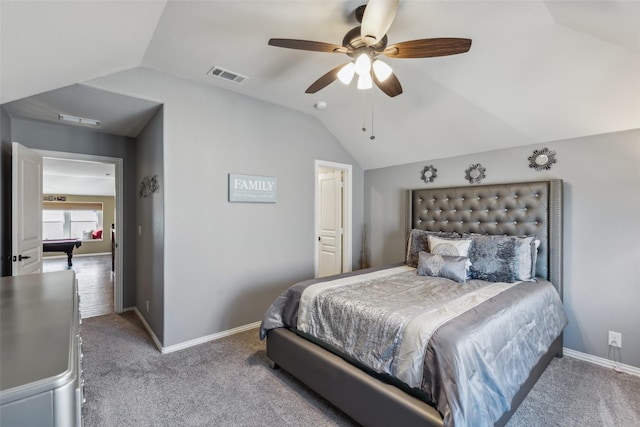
(363, 64)
(381, 69)
(365, 43)
(346, 73)
(365, 81)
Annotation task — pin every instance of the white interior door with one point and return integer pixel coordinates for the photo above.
(330, 223)
(26, 208)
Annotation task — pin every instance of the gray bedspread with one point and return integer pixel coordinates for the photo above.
(469, 347)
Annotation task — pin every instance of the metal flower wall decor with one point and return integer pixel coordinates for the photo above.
(542, 159)
(429, 174)
(148, 186)
(475, 173)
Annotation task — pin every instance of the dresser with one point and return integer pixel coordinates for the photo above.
(40, 351)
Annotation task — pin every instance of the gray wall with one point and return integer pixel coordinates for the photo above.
(5, 193)
(601, 235)
(225, 262)
(150, 220)
(70, 139)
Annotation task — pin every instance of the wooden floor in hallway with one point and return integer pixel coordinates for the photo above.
(95, 281)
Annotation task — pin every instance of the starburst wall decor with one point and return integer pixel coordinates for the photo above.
(429, 174)
(542, 160)
(475, 173)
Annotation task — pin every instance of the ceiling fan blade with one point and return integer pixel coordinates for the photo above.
(308, 45)
(426, 48)
(325, 80)
(391, 85)
(377, 19)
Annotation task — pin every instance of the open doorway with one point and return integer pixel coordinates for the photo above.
(83, 202)
(333, 218)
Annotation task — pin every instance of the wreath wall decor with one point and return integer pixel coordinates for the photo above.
(429, 174)
(149, 185)
(475, 173)
(542, 160)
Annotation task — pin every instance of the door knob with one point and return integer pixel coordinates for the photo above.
(21, 257)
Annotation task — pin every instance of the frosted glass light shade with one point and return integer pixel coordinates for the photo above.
(363, 64)
(382, 70)
(364, 81)
(345, 75)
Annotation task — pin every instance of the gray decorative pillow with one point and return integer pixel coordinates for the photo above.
(502, 258)
(419, 241)
(449, 267)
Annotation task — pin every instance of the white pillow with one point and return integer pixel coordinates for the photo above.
(449, 247)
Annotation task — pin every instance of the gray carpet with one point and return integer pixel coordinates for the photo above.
(228, 383)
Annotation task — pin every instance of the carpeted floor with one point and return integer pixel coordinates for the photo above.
(228, 383)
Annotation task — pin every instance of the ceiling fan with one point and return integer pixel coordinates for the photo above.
(368, 41)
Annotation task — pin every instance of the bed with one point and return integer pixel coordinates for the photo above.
(396, 389)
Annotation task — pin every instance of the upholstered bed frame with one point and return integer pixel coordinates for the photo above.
(513, 209)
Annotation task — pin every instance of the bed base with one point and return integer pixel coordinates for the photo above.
(364, 398)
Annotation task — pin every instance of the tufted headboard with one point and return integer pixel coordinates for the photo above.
(514, 209)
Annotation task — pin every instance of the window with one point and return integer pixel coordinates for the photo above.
(71, 220)
(52, 224)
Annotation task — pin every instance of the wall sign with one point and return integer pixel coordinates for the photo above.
(252, 189)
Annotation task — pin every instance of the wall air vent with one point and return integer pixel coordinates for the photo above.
(227, 75)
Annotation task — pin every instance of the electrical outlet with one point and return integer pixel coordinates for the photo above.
(615, 339)
(147, 306)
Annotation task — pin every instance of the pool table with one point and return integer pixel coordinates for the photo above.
(62, 245)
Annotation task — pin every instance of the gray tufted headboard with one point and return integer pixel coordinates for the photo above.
(514, 209)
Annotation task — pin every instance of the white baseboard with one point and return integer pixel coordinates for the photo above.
(155, 339)
(93, 254)
(208, 338)
(74, 255)
(601, 361)
(190, 343)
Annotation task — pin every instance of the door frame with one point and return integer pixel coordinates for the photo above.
(118, 162)
(347, 206)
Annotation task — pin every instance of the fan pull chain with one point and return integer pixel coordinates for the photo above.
(372, 137)
(364, 104)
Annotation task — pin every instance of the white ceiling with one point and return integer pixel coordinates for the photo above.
(80, 177)
(537, 71)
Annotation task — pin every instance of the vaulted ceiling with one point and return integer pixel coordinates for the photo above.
(537, 71)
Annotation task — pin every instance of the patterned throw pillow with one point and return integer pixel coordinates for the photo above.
(418, 241)
(449, 267)
(449, 247)
(502, 258)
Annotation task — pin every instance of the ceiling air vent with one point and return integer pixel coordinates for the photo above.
(227, 75)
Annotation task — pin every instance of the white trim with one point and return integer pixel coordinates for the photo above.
(190, 343)
(207, 338)
(347, 249)
(119, 219)
(155, 339)
(632, 370)
(44, 257)
(94, 254)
